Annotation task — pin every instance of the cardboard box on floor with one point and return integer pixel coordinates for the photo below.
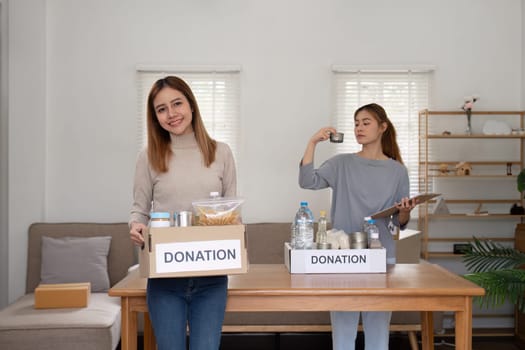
(64, 295)
(193, 251)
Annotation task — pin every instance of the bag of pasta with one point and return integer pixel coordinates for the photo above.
(217, 211)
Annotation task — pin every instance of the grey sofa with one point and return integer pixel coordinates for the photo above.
(96, 327)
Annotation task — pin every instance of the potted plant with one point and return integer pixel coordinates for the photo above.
(496, 269)
(499, 270)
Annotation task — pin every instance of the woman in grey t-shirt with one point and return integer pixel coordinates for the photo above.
(362, 183)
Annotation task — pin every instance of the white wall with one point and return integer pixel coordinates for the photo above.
(27, 131)
(4, 248)
(72, 90)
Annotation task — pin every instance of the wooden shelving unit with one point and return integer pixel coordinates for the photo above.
(479, 203)
(443, 144)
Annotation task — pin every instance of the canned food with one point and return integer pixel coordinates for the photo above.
(184, 218)
(359, 245)
(358, 240)
(324, 245)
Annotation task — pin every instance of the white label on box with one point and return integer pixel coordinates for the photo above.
(336, 260)
(198, 256)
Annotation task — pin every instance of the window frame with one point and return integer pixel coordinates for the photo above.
(407, 130)
(146, 75)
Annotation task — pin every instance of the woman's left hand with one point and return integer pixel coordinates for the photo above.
(406, 205)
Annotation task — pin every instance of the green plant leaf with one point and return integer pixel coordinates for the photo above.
(521, 181)
(500, 286)
(496, 269)
(487, 256)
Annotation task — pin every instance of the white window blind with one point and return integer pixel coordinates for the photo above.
(402, 93)
(218, 95)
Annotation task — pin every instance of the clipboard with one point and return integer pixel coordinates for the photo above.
(421, 198)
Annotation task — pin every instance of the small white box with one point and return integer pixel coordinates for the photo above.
(334, 260)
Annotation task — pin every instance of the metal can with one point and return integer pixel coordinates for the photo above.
(184, 218)
(358, 240)
(324, 245)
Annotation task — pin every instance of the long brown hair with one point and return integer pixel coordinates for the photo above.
(159, 140)
(388, 139)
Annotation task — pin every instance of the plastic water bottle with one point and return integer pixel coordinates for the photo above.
(304, 225)
(293, 234)
(310, 214)
(373, 238)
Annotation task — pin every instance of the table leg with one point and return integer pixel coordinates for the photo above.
(427, 330)
(128, 337)
(149, 336)
(464, 327)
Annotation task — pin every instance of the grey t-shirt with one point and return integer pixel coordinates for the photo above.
(360, 187)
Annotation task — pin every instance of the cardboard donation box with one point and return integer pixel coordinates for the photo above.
(334, 260)
(193, 251)
(408, 247)
(64, 295)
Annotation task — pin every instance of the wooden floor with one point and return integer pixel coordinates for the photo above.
(483, 343)
(322, 341)
(397, 342)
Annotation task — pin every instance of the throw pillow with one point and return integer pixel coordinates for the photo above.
(76, 259)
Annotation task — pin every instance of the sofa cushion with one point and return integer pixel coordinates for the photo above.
(265, 242)
(95, 327)
(76, 259)
(122, 252)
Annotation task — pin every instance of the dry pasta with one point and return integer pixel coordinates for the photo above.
(207, 218)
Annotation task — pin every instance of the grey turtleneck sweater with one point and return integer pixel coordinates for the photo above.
(186, 180)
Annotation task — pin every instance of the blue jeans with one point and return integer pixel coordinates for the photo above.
(194, 302)
(376, 326)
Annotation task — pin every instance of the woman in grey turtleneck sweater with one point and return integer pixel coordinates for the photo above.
(182, 163)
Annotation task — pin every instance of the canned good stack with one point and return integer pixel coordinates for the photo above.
(358, 240)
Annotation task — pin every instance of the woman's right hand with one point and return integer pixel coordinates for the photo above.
(322, 135)
(135, 233)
